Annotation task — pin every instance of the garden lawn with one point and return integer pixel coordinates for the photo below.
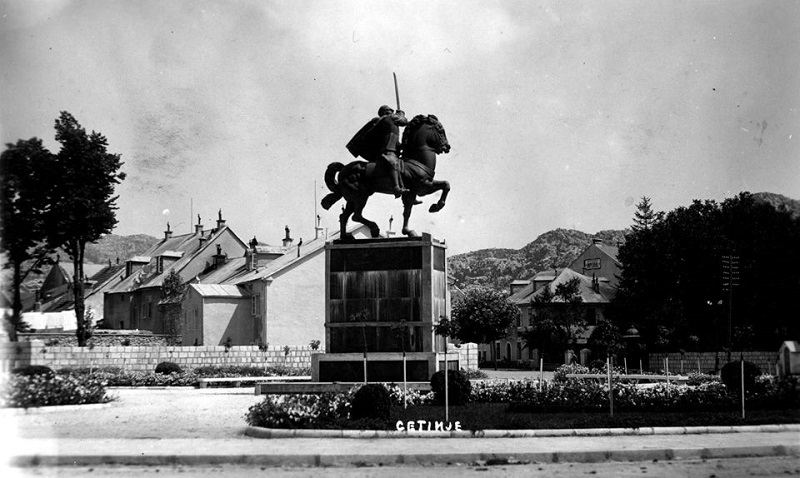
(489, 416)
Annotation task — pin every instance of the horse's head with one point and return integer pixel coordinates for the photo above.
(428, 131)
(444, 144)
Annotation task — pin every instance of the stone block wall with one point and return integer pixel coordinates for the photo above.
(467, 355)
(100, 338)
(145, 358)
(707, 361)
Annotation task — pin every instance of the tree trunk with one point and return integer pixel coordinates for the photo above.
(83, 331)
(16, 308)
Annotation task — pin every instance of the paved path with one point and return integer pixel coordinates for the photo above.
(206, 426)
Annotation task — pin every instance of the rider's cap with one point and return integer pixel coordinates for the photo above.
(385, 110)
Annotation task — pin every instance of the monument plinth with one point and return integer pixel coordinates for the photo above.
(383, 297)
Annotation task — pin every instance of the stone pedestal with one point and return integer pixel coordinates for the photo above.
(383, 297)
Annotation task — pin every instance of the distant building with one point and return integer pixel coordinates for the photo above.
(267, 300)
(597, 269)
(132, 302)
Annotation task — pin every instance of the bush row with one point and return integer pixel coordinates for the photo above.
(40, 390)
(565, 395)
(168, 375)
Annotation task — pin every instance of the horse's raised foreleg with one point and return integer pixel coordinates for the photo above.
(347, 211)
(408, 202)
(374, 230)
(444, 186)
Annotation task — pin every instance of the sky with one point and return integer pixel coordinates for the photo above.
(560, 114)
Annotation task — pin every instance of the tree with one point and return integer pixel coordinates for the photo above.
(606, 339)
(82, 205)
(22, 209)
(671, 285)
(172, 292)
(482, 316)
(558, 317)
(645, 217)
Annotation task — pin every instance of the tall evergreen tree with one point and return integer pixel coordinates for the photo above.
(645, 217)
(22, 209)
(82, 202)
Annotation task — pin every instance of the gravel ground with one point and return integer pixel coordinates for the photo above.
(175, 412)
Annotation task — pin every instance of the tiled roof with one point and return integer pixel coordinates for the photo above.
(219, 290)
(292, 256)
(588, 294)
(106, 273)
(232, 268)
(188, 244)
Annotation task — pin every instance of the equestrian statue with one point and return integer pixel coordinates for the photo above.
(403, 168)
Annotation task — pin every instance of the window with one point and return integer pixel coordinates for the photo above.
(159, 265)
(591, 263)
(519, 351)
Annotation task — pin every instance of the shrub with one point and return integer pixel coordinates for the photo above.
(458, 387)
(731, 375)
(33, 370)
(46, 390)
(299, 410)
(598, 364)
(371, 401)
(695, 378)
(560, 375)
(167, 368)
(410, 397)
(475, 373)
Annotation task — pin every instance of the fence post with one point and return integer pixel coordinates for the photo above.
(742, 388)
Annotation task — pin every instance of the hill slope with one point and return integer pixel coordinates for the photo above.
(496, 268)
(111, 247)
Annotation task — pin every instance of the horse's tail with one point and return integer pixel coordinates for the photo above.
(333, 185)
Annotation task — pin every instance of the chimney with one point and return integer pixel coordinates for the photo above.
(220, 258)
(287, 241)
(198, 228)
(298, 246)
(203, 239)
(390, 232)
(317, 229)
(220, 221)
(167, 233)
(253, 243)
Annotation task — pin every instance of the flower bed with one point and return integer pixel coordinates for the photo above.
(116, 377)
(47, 390)
(660, 404)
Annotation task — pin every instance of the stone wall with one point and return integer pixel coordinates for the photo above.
(101, 338)
(143, 358)
(708, 361)
(467, 355)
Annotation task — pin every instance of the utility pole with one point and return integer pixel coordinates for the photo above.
(730, 279)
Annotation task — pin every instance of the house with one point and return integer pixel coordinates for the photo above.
(599, 260)
(597, 270)
(267, 299)
(53, 306)
(133, 301)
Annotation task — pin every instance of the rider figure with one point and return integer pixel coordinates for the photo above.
(387, 134)
(382, 138)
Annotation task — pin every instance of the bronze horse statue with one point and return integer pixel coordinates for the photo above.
(423, 138)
